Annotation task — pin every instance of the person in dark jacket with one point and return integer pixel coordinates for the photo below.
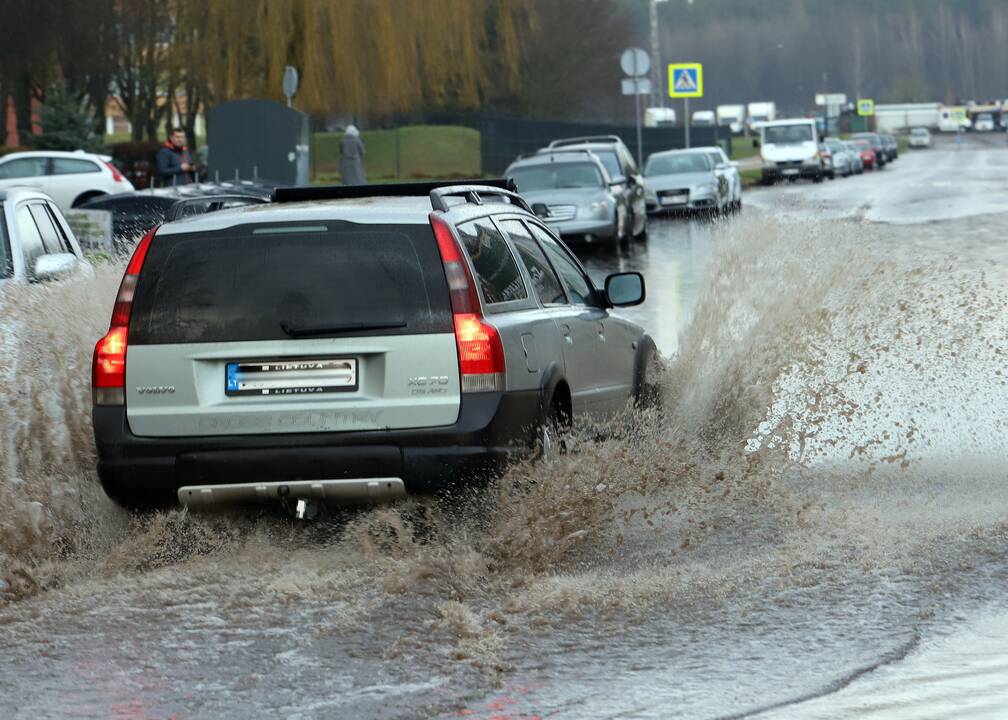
(174, 163)
(352, 157)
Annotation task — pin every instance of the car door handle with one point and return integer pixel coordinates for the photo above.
(565, 329)
(601, 331)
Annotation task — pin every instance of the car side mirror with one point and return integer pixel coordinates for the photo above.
(541, 210)
(625, 289)
(54, 267)
(734, 164)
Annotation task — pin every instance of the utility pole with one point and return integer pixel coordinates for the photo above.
(658, 89)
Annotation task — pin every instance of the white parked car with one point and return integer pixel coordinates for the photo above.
(728, 173)
(920, 138)
(69, 178)
(984, 123)
(36, 243)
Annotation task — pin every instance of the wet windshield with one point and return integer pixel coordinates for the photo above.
(678, 163)
(556, 176)
(783, 134)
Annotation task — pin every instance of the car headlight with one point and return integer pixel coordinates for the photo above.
(708, 188)
(599, 208)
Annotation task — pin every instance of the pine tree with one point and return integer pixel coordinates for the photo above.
(66, 124)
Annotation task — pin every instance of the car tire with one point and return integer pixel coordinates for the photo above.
(647, 383)
(817, 178)
(550, 441)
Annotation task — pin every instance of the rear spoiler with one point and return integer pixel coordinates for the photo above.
(586, 139)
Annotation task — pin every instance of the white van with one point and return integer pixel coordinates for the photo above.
(790, 149)
(704, 118)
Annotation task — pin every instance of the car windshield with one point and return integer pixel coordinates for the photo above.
(779, 134)
(556, 176)
(984, 116)
(861, 144)
(919, 132)
(677, 163)
(835, 146)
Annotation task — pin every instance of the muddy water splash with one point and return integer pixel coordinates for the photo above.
(795, 448)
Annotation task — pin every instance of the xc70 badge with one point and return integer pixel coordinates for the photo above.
(428, 385)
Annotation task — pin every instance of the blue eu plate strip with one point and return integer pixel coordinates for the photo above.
(232, 377)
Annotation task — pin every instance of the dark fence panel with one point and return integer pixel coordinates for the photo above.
(504, 139)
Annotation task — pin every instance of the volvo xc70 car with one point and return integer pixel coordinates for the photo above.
(354, 344)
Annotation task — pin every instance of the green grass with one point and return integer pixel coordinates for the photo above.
(750, 177)
(742, 147)
(425, 151)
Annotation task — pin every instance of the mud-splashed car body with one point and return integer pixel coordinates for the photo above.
(36, 242)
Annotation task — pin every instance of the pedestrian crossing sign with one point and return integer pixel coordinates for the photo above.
(865, 106)
(685, 80)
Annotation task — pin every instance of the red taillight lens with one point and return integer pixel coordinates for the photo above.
(108, 365)
(480, 351)
(116, 175)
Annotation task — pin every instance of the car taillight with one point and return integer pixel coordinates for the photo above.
(116, 175)
(480, 351)
(108, 365)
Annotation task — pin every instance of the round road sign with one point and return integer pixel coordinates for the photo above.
(635, 62)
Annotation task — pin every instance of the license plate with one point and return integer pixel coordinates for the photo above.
(308, 376)
(790, 171)
(674, 199)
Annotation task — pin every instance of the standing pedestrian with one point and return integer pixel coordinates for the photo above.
(352, 157)
(174, 163)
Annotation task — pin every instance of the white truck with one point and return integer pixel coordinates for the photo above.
(761, 112)
(789, 149)
(659, 117)
(731, 116)
(704, 118)
(953, 118)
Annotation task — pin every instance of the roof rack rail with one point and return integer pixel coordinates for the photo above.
(352, 192)
(474, 193)
(586, 139)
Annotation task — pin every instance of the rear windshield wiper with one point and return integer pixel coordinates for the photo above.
(319, 330)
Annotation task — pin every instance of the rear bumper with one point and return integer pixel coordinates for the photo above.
(493, 430)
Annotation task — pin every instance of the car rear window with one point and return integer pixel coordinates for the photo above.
(274, 282)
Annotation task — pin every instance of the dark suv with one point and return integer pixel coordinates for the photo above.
(354, 343)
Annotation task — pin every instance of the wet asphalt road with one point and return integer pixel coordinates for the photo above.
(851, 563)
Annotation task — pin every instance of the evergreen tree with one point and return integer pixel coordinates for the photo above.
(66, 124)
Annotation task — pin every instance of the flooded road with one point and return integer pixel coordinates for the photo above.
(815, 526)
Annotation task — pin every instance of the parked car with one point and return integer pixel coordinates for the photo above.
(789, 149)
(827, 161)
(841, 157)
(868, 156)
(876, 144)
(69, 178)
(920, 138)
(684, 180)
(575, 195)
(134, 213)
(857, 162)
(891, 146)
(728, 170)
(622, 168)
(984, 122)
(36, 243)
(355, 350)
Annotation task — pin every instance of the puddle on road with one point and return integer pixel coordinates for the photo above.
(814, 492)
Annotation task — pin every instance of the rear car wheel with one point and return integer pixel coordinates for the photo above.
(550, 441)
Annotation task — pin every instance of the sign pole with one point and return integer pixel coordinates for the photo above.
(640, 158)
(686, 119)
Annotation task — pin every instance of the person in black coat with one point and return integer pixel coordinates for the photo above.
(174, 163)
